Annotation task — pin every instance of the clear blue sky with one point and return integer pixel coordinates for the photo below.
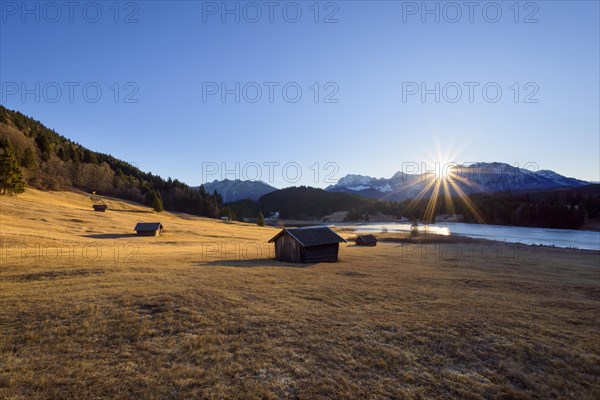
(370, 57)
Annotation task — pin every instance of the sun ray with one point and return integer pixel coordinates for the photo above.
(414, 202)
(447, 187)
(472, 208)
(432, 203)
(448, 198)
(444, 187)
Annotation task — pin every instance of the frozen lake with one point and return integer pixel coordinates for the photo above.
(588, 240)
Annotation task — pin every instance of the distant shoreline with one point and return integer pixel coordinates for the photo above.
(593, 226)
(530, 236)
(431, 238)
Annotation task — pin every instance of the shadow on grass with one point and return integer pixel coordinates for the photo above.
(133, 211)
(111, 236)
(255, 263)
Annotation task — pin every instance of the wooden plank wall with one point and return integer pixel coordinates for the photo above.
(289, 250)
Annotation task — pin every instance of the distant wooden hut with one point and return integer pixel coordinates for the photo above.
(307, 245)
(100, 207)
(148, 228)
(366, 240)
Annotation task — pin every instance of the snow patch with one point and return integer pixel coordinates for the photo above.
(385, 188)
(357, 188)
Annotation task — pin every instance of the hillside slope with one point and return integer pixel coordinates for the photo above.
(88, 311)
(62, 219)
(52, 161)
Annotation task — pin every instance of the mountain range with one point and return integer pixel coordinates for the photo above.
(475, 178)
(49, 161)
(234, 190)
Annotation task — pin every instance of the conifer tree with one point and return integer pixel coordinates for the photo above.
(414, 228)
(11, 176)
(89, 157)
(43, 143)
(4, 143)
(157, 204)
(28, 159)
(261, 220)
(62, 154)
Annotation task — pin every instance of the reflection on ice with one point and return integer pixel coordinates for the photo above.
(588, 240)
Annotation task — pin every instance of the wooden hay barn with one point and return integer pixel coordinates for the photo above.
(100, 207)
(148, 228)
(366, 240)
(307, 245)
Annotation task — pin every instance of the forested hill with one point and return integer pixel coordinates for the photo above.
(309, 203)
(565, 208)
(52, 162)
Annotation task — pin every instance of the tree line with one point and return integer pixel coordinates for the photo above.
(565, 209)
(49, 161)
(32, 154)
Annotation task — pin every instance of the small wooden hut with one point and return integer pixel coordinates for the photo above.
(148, 228)
(366, 240)
(100, 207)
(307, 245)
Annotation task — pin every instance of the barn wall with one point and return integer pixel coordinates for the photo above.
(287, 249)
(324, 253)
(365, 242)
(148, 233)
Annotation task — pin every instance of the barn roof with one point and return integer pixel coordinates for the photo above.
(367, 239)
(148, 226)
(311, 236)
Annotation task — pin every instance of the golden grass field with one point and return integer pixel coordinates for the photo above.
(88, 311)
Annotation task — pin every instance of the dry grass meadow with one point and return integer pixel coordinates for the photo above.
(88, 311)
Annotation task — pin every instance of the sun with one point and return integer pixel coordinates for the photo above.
(446, 188)
(444, 169)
